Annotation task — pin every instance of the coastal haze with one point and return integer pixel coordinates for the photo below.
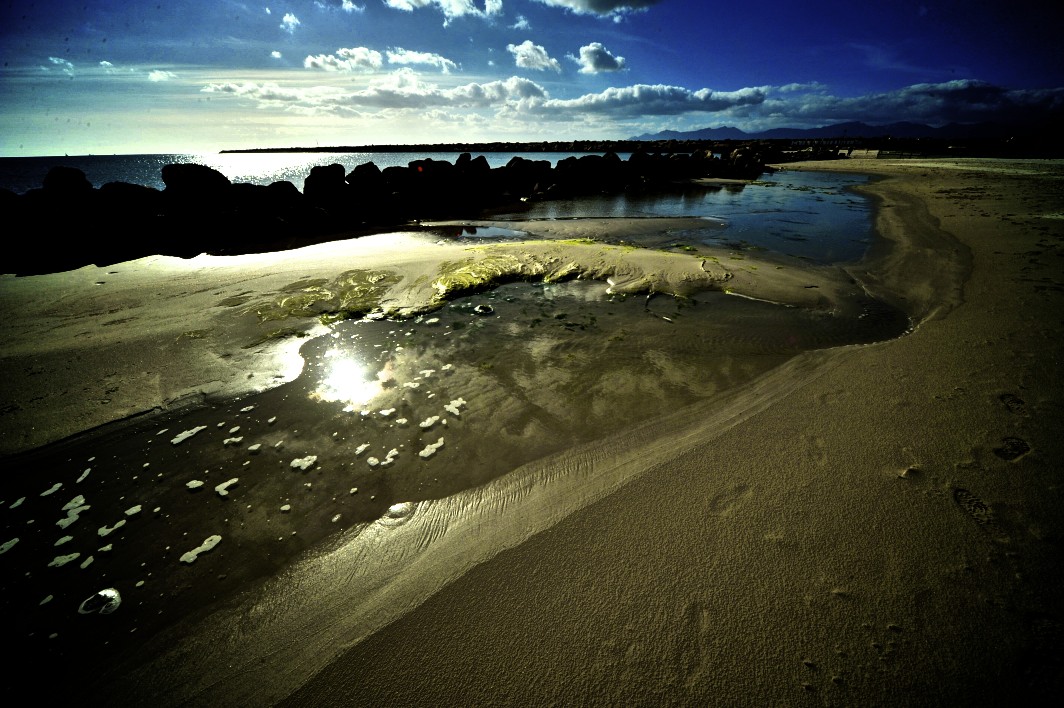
(526, 352)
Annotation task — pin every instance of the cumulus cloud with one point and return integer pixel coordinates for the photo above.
(289, 23)
(602, 8)
(406, 56)
(645, 99)
(346, 59)
(160, 75)
(400, 90)
(532, 56)
(521, 24)
(275, 54)
(450, 8)
(595, 59)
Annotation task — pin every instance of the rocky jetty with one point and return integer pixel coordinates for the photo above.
(69, 223)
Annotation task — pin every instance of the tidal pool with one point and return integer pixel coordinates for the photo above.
(188, 509)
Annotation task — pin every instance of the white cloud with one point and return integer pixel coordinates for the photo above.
(289, 23)
(160, 75)
(406, 56)
(595, 59)
(521, 24)
(450, 8)
(347, 59)
(532, 56)
(796, 87)
(268, 11)
(275, 54)
(63, 64)
(345, 5)
(643, 99)
(399, 91)
(602, 8)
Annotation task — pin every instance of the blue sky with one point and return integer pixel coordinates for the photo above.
(101, 76)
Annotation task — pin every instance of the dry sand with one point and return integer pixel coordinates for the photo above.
(866, 525)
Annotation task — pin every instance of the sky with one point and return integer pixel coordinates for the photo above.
(154, 76)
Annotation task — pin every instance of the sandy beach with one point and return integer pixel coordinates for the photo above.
(870, 524)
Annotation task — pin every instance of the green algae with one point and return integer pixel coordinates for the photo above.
(353, 293)
(475, 275)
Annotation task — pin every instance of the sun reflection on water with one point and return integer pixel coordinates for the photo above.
(347, 380)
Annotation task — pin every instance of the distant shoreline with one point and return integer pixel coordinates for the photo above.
(576, 146)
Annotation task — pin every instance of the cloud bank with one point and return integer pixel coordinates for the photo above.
(613, 110)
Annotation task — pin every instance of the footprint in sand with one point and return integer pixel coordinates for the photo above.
(1013, 403)
(1012, 448)
(973, 506)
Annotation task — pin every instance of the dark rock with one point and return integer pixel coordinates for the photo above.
(67, 181)
(192, 181)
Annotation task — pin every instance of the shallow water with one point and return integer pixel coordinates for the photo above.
(501, 378)
(813, 215)
(387, 413)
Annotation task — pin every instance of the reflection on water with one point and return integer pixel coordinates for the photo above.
(182, 508)
(810, 215)
(479, 232)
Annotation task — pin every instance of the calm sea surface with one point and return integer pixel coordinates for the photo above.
(806, 214)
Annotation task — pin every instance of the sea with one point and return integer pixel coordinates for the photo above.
(805, 214)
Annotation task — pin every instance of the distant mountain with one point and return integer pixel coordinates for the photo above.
(953, 131)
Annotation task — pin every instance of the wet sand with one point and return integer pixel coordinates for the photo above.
(869, 524)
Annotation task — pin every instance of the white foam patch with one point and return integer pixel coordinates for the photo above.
(429, 422)
(232, 441)
(8, 545)
(105, 531)
(304, 463)
(361, 448)
(52, 490)
(181, 437)
(454, 406)
(60, 561)
(431, 449)
(209, 543)
(133, 510)
(223, 488)
(194, 484)
(74, 503)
